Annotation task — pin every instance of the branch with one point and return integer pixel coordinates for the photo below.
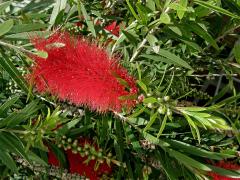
(49, 170)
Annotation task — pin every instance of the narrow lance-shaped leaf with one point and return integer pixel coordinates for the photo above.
(7, 160)
(8, 66)
(88, 20)
(6, 26)
(216, 8)
(196, 28)
(151, 121)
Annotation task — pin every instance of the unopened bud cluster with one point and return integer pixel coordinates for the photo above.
(86, 150)
(163, 105)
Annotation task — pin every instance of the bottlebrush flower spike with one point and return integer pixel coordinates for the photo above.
(82, 73)
(77, 163)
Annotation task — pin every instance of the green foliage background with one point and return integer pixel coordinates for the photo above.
(185, 56)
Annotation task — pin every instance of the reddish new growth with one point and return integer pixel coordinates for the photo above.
(80, 164)
(113, 28)
(82, 73)
(224, 165)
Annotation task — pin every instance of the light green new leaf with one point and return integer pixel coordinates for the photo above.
(150, 100)
(165, 18)
(6, 26)
(194, 128)
(180, 12)
(4, 5)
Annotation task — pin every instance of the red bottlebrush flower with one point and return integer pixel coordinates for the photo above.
(52, 159)
(83, 166)
(224, 165)
(82, 73)
(78, 164)
(113, 28)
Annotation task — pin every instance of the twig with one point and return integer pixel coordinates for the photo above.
(212, 75)
(49, 170)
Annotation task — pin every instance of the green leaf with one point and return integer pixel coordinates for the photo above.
(155, 140)
(6, 26)
(180, 12)
(127, 97)
(187, 161)
(142, 11)
(12, 144)
(76, 132)
(196, 28)
(197, 109)
(173, 58)
(8, 66)
(15, 143)
(34, 158)
(7, 160)
(197, 151)
(224, 172)
(66, 127)
(228, 100)
(162, 126)
(26, 28)
(142, 86)
(137, 112)
(177, 7)
(87, 19)
(168, 58)
(215, 8)
(27, 35)
(132, 10)
(165, 18)
(132, 138)
(17, 117)
(138, 121)
(4, 107)
(130, 37)
(193, 126)
(236, 51)
(151, 121)
(4, 5)
(58, 6)
(42, 54)
(166, 165)
(59, 154)
(150, 100)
